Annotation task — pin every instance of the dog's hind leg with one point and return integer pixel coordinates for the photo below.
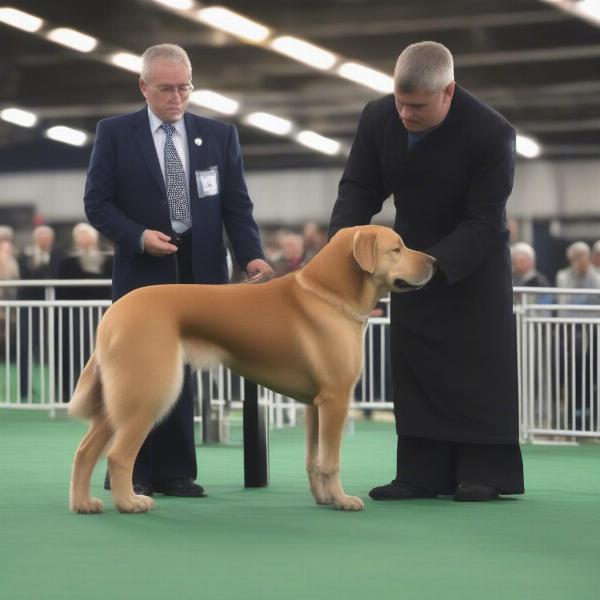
(86, 457)
(121, 458)
(311, 423)
(333, 410)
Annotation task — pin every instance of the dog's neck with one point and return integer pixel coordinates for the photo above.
(330, 298)
(349, 289)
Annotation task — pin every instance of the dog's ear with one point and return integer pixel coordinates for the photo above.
(363, 248)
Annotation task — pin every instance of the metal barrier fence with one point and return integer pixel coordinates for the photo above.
(45, 343)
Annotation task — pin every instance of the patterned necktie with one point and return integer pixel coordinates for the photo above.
(177, 191)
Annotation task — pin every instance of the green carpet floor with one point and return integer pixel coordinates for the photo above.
(273, 543)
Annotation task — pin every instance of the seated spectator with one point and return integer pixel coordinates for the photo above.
(524, 270)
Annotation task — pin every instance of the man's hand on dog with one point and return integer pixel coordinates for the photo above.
(258, 270)
(157, 243)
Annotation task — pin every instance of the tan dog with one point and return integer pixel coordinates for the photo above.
(300, 335)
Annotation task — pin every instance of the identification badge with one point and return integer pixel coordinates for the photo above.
(208, 182)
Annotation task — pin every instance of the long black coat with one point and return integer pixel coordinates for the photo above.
(453, 343)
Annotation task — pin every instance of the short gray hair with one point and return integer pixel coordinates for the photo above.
(84, 227)
(596, 247)
(425, 66)
(578, 249)
(522, 248)
(170, 52)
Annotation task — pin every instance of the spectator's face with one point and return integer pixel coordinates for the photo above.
(43, 240)
(580, 262)
(521, 263)
(85, 241)
(596, 259)
(420, 111)
(292, 247)
(166, 91)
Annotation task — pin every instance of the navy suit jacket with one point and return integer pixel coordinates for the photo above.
(125, 194)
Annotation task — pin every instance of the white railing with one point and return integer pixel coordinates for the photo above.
(46, 343)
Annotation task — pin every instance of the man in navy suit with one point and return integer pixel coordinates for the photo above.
(162, 184)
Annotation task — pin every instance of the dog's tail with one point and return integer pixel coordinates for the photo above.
(87, 397)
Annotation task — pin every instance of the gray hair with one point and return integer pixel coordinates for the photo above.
(83, 227)
(425, 66)
(578, 249)
(170, 52)
(596, 247)
(524, 249)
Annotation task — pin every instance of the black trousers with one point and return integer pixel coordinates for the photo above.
(440, 466)
(169, 451)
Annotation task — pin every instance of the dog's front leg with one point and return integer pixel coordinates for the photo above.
(333, 410)
(311, 423)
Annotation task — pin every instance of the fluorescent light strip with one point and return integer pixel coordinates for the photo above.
(67, 135)
(588, 8)
(17, 116)
(72, 39)
(313, 140)
(177, 4)
(366, 76)
(226, 20)
(269, 123)
(215, 101)
(128, 61)
(304, 52)
(528, 147)
(20, 20)
(237, 25)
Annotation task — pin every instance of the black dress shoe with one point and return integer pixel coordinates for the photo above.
(469, 491)
(400, 490)
(141, 489)
(185, 488)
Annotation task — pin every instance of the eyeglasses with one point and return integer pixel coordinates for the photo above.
(183, 90)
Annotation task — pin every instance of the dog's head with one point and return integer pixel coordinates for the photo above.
(381, 252)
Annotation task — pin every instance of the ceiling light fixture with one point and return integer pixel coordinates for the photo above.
(67, 135)
(20, 20)
(528, 147)
(17, 116)
(304, 52)
(226, 20)
(269, 123)
(215, 101)
(366, 76)
(313, 140)
(72, 39)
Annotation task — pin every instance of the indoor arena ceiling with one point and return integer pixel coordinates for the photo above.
(535, 63)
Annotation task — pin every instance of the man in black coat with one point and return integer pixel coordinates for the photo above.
(448, 159)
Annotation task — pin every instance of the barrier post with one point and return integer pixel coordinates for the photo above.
(256, 447)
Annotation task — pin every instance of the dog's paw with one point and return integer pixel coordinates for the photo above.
(86, 506)
(349, 503)
(134, 504)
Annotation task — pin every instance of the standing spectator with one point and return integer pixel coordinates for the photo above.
(9, 270)
(314, 239)
(86, 261)
(524, 270)
(292, 253)
(582, 275)
(596, 256)
(39, 261)
(162, 185)
(449, 160)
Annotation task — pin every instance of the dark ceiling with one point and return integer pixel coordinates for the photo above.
(538, 66)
